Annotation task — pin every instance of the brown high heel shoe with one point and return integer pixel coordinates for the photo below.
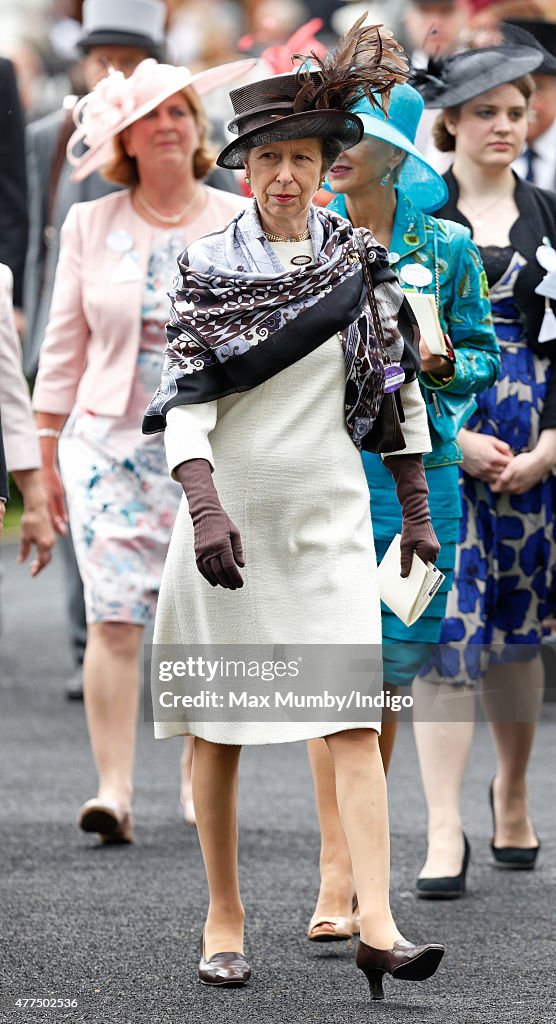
(229, 970)
(404, 961)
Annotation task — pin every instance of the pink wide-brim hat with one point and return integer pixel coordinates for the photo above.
(116, 102)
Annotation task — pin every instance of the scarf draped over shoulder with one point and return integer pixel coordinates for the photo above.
(238, 318)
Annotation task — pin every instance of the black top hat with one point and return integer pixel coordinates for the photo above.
(313, 102)
(463, 76)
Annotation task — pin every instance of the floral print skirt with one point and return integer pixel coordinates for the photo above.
(121, 501)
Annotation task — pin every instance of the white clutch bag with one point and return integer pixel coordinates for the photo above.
(408, 597)
(426, 314)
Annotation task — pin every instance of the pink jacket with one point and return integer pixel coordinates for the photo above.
(93, 335)
(20, 440)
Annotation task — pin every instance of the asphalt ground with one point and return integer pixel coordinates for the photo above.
(116, 929)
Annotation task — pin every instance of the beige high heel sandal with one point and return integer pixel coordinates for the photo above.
(330, 929)
(108, 819)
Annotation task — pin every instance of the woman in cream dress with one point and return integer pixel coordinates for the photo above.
(296, 491)
(271, 385)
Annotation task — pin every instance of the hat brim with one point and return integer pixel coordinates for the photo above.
(342, 126)
(112, 38)
(203, 82)
(426, 188)
(506, 66)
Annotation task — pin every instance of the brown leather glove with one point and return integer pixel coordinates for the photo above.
(218, 550)
(411, 488)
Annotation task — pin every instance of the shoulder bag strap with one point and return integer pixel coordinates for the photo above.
(371, 295)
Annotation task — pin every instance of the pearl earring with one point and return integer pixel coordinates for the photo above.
(247, 179)
(386, 177)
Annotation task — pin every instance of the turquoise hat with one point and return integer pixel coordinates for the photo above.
(417, 179)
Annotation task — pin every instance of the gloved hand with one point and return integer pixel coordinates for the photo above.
(218, 550)
(411, 488)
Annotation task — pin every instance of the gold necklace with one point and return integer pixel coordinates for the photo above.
(175, 218)
(303, 237)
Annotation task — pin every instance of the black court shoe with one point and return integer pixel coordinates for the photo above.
(516, 858)
(450, 887)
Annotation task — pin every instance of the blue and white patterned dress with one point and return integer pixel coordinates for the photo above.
(506, 559)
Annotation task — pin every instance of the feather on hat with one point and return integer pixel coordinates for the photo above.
(314, 101)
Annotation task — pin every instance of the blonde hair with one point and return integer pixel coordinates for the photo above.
(122, 169)
(445, 141)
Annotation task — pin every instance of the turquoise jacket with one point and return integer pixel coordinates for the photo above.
(464, 313)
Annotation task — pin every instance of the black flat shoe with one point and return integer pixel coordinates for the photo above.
(514, 858)
(228, 970)
(404, 961)
(450, 887)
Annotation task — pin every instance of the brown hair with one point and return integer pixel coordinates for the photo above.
(445, 141)
(122, 169)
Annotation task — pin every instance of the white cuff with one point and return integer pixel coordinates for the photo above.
(186, 434)
(416, 424)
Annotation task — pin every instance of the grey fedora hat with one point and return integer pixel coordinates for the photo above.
(138, 23)
(463, 76)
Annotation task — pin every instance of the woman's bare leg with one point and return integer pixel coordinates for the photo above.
(362, 802)
(443, 726)
(186, 791)
(388, 730)
(336, 890)
(336, 880)
(215, 784)
(111, 694)
(512, 696)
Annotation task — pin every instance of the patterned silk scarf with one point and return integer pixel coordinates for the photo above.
(238, 317)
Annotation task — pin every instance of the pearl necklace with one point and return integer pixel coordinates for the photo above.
(303, 237)
(175, 218)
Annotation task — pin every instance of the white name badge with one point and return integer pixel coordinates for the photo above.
(120, 241)
(416, 275)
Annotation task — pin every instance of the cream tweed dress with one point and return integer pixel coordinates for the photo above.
(291, 479)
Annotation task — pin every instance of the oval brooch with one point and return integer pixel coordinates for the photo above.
(301, 261)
